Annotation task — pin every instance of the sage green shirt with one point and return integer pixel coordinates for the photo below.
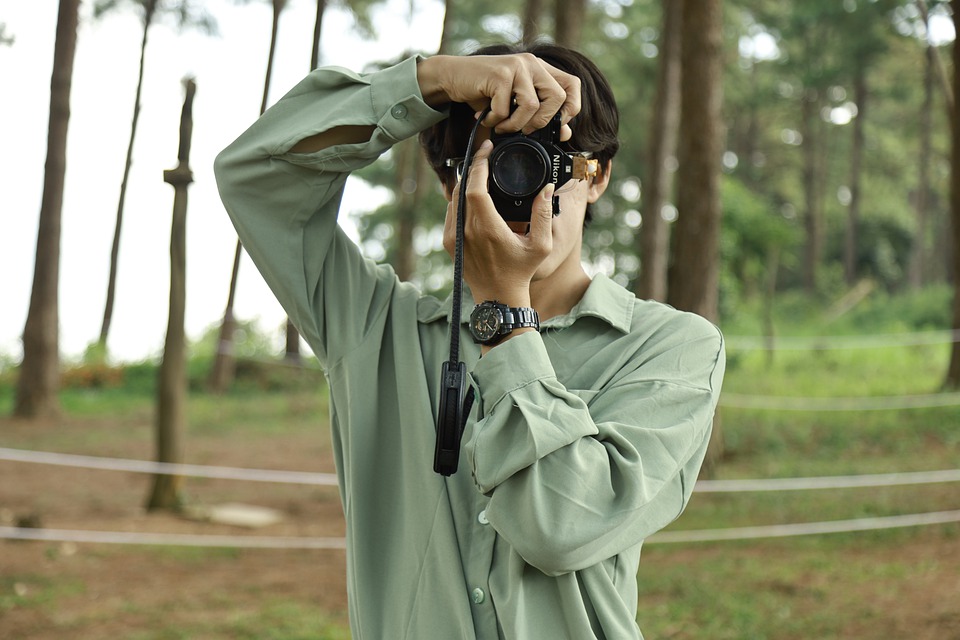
(586, 438)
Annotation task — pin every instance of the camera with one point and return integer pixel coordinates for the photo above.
(522, 165)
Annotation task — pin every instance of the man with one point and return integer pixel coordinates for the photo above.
(589, 429)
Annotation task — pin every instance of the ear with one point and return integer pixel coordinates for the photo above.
(599, 184)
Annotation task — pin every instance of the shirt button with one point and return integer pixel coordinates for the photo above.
(399, 111)
(482, 518)
(478, 595)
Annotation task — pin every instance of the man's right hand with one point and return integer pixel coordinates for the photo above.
(540, 90)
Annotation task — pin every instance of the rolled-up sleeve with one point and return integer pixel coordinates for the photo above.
(572, 483)
(284, 205)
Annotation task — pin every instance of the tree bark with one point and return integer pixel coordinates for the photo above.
(654, 237)
(172, 383)
(851, 243)
(317, 30)
(39, 383)
(694, 276)
(694, 279)
(812, 218)
(149, 11)
(918, 263)
(532, 11)
(953, 371)
(568, 22)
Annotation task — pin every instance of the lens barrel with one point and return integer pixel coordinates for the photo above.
(520, 167)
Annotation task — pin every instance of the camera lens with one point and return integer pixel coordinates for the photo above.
(520, 168)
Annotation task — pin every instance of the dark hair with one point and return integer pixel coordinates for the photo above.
(594, 128)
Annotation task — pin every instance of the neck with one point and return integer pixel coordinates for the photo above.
(560, 292)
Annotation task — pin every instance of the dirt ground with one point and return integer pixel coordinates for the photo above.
(51, 591)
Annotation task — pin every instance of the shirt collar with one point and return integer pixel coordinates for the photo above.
(604, 299)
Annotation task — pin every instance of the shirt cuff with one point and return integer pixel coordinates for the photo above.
(395, 94)
(512, 365)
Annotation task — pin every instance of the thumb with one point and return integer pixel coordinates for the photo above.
(541, 218)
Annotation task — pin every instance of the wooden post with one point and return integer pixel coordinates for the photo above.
(172, 383)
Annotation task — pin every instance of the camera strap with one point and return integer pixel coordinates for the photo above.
(456, 397)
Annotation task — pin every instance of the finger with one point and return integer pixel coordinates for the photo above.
(566, 133)
(541, 220)
(526, 103)
(570, 85)
(450, 228)
(552, 98)
(501, 97)
(477, 181)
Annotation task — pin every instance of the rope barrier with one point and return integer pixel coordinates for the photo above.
(168, 468)
(823, 343)
(296, 542)
(329, 479)
(172, 539)
(828, 482)
(821, 403)
(807, 528)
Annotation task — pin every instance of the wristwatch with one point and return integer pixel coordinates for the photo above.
(491, 321)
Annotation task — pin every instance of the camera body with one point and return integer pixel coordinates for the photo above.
(522, 165)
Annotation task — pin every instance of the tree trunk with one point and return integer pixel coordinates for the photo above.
(953, 372)
(918, 264)
(695, 279)
(856, 169)
(447, 29)
(39, 382)
(654, 237)
(568, 24)
(149, 10)
(532, 11)
(812, 217)
(317, 30)
(172, 387)
(224, 363)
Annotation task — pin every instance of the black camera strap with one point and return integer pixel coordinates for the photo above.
(456, 397)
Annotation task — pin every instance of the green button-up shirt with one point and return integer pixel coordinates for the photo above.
(587, 437)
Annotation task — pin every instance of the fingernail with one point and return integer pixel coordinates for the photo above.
(548, 191)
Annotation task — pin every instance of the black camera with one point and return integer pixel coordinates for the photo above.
(522, 165)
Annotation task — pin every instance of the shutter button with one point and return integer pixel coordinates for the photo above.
(399, 111)
(478, 595)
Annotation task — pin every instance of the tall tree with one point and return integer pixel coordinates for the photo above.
(185, 13)
(224, 363)
(172, 384)
(695, 273)
(569, 16)
(918, 265)
(39, 382)
(953, 372)
(654, 237)
(530, 21)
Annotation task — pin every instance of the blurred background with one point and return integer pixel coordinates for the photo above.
(786, 170)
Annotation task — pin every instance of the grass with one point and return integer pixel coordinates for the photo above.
(888, 583)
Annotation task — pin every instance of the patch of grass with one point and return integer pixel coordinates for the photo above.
(34, 591)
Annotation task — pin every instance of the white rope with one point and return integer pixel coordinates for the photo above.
(814, 343)
(807, 528)
(828, 482)
(172, 539)
(821, 403)
(329, 479)
(295, 542)
(167, 468)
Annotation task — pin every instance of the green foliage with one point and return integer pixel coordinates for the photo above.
(183, 14)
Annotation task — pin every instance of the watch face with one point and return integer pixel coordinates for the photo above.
(485, 323)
